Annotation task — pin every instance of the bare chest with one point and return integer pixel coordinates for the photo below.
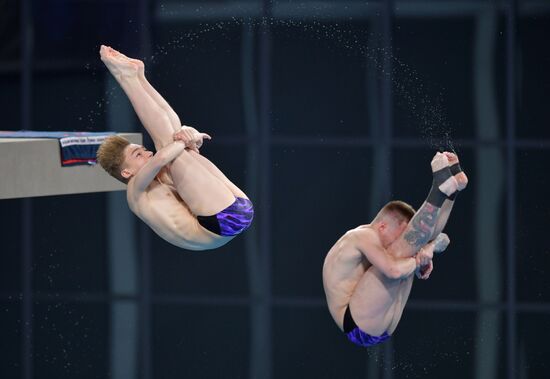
(161, 201)
(163, 192)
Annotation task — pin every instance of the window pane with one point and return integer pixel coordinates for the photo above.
(10, 343)
(319, 78)
(10, 269)
(532, 350)
(71, 340)
(198, 70)
(78, 103)
(449, 344)
(68, 31)
(70, 243)
(200, 342)
(318, 195)
(532, 248)
(434, 87)
(10, 26)
(533, 61)
(308, 344)
(10, 98)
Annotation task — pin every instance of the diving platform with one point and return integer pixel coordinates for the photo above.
(31, 167)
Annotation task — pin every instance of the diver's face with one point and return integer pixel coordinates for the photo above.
(135, 156)
(399, 228)
(391, 230)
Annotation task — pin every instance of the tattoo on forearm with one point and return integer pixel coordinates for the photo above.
(422, 226)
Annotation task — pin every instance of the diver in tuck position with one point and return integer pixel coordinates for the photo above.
(179, 193)
(368, 273)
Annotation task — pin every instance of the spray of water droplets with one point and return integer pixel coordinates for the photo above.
(426, 112)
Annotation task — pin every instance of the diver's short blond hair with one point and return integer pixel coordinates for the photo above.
(398, 209)
(110, 156)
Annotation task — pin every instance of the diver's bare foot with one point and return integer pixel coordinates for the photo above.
(118, 64)
(460, 177)
(440, 162)
(137, 62)
(140, 66)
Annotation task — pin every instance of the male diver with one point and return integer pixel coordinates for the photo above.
(368, 273)
(177, 192)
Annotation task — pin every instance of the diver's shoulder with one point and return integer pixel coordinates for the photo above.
(361, 232)
(364, 227)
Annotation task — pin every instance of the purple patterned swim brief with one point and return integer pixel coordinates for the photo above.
(357, 336)
(232, 220)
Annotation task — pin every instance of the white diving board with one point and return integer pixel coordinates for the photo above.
(31, 167)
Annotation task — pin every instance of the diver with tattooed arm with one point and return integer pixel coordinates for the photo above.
(368, 273)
